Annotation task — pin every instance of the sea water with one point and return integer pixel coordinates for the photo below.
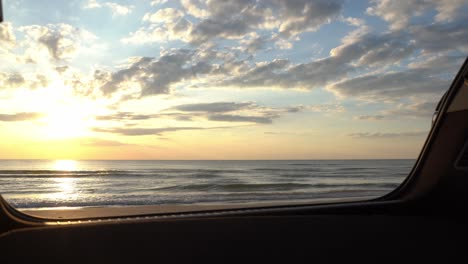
(46, 183)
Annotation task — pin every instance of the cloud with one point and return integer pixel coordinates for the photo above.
(98, 142)
(119, 10)
(158, 2)
(287, 133)
(165, 15)
(246, 112)
(302, 16)
(158, 33)
(129, 116)
(281, 73)
(60, 41)
(358, 67)
(147, 131)
(292, 17)
(278, 133)
(283, 44)
(164, 25)
(240, 118)
(359, 49)
(185, 112)
(192, 7)
(219, 19)
(414, 109)
(399, 13)
(256, 43)
(370, 117)
(324, 108)
(363, 54)
(16, 80)
(217, 107)
(439, 63)
(155, 76)
(427, 75)
(366, 48)
(390, 85)
(61, 69)
(448, 10)
(124, 116)
(7, 37)
(11, 80)
(436, 37)
(92, 4)
(20, 117)
(420, 109)
(354, 21)
(388, 135)
(116, 9)
(447, 32)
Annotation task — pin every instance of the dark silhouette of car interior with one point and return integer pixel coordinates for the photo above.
(424, 219)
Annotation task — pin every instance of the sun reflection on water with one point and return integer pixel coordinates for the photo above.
(65, 189)
(65, 186)
(65, 165)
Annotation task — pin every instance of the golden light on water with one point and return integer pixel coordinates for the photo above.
(65, 165)
(65, 189)
(65, 185)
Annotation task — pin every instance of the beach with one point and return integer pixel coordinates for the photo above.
(168, 186)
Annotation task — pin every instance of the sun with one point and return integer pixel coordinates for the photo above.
(64, 114)
(61, 122)
(65, 165)
(71, 118)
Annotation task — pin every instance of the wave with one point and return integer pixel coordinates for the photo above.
(227, 198)
(192, 182)
(116, 173)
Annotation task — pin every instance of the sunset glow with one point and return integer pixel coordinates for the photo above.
(65, 165)
(198, 79)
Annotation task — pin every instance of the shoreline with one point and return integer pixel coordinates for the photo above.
(62, 213)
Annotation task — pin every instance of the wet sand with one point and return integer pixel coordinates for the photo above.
(97, 212)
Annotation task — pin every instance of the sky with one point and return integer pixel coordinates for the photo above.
(213, 79)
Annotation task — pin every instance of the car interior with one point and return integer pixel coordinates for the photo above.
(422, 220)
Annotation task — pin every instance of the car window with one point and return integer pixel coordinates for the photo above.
(194, 102)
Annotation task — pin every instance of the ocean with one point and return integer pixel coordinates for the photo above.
(83, 183)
